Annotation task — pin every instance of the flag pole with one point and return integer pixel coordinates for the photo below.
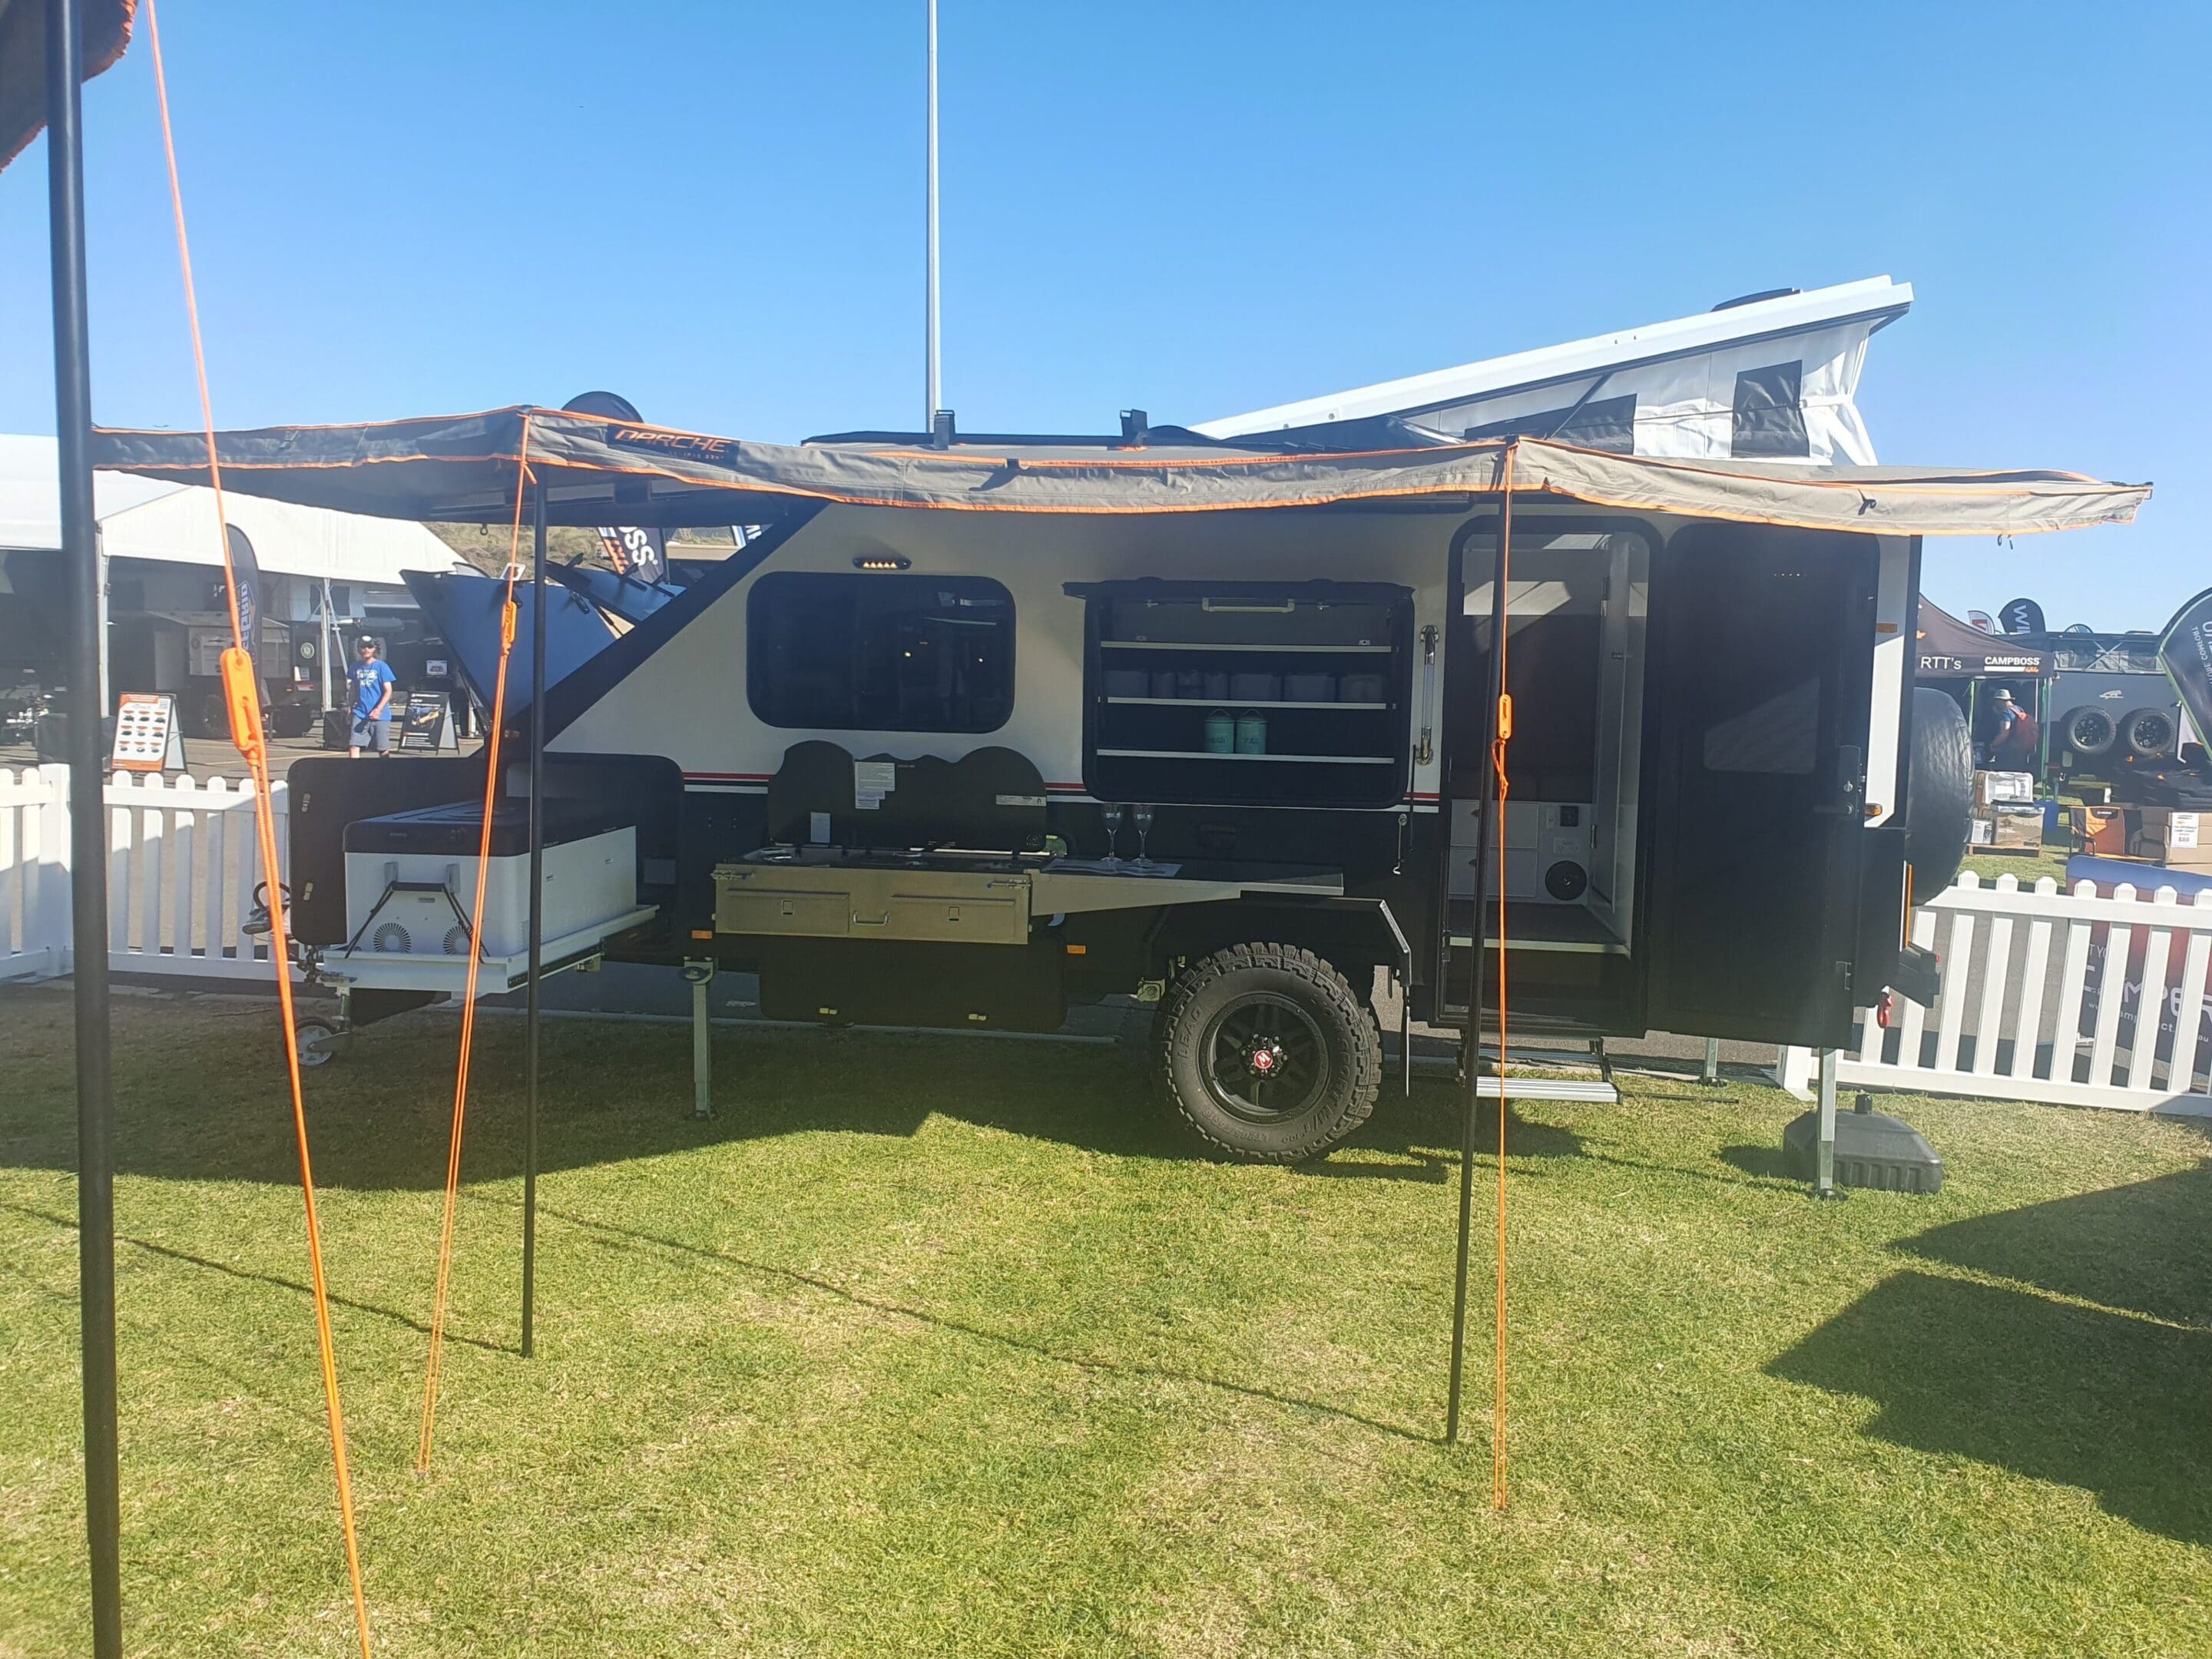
(934, 389)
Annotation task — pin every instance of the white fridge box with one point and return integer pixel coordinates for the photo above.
(411, 878)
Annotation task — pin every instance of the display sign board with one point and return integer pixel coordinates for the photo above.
(146, 735)
(245, 574)
(427, 722)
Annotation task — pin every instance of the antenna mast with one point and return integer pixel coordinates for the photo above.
(935, 389)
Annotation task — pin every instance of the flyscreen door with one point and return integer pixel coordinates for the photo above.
(1758, 710)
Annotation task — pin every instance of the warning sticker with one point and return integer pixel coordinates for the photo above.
(872, 781)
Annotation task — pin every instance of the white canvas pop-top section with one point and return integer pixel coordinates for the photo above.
(1773, 378)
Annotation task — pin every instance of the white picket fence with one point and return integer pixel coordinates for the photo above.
(2024, 1013)
(183, 861)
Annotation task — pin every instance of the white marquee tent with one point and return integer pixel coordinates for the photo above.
(147, 518)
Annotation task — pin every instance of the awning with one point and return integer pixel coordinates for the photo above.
(595, 471)
(104, 28)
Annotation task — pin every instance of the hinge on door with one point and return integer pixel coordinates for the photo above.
(1425, 752)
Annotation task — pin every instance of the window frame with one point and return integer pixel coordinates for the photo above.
(773, 583)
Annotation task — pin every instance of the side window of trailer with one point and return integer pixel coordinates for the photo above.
(879, 652)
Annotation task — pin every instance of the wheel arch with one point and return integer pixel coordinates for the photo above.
(1355, 933)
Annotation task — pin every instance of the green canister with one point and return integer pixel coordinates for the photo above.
(1220, 733)
(1251, 733)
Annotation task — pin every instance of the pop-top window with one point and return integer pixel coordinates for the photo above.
(881, 652)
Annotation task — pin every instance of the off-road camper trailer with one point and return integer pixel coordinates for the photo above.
(975, 731)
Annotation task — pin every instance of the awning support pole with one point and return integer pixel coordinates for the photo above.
(537, 920)
(1710, 1072)
(1471, 1038)
(95, 1090)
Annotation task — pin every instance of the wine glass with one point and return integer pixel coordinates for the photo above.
(1111, 812)
(1142, 818)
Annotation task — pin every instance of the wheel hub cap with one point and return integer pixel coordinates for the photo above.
(1266, 1059)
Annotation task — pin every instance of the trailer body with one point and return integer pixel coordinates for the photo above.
(969, 731)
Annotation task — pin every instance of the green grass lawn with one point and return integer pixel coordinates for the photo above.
(943, 1346)
(2029, 867)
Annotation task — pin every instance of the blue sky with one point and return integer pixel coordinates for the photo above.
(406, 206)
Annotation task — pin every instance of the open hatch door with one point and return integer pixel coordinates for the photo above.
(1761, 681)
(463, 609)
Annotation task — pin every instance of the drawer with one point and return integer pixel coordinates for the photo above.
(750, 909)
(948, 918)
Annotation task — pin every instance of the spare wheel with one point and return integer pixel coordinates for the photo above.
(1940, 799)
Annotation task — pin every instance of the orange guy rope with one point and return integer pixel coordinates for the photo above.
(1497, 746)
(476, 957)
(243, 697)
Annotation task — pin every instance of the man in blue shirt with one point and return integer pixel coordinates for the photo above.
(373, 680)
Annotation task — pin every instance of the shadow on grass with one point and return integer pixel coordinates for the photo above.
(1765, 1162)
(277, 1281)
(2075, 1395)
(2112, 1398)
(2144, 1247)
(1015, 1344)
(380, 1116)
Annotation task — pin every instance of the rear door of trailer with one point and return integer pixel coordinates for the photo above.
(1757, 716)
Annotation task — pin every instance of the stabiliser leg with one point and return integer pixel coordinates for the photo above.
(699, 975)
(1824, 1167)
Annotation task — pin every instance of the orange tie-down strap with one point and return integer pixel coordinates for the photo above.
(440, 1302)
(242, 702)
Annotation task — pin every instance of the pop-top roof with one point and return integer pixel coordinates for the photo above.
(1769, 376)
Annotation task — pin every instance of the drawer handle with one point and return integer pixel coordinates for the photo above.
(883, 921)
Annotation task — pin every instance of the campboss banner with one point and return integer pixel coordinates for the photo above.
(2185, 651)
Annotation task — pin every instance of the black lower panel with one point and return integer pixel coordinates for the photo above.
(367, 1008)
(1017, 987)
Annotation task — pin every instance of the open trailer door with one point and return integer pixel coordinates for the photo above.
(1761, 681)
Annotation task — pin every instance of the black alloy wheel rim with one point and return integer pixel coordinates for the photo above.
(1266, 1059)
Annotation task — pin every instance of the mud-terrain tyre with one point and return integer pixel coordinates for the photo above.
(1939, 802)
(1267, 1053)
(2088, 730)
(2149, 733)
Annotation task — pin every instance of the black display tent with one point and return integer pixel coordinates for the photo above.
(1948, 649)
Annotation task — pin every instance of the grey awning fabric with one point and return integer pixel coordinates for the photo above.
(464, 468)
(104, 29)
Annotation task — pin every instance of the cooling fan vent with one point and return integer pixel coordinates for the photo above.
(1565, 881)
(392, 938)
(457, 937)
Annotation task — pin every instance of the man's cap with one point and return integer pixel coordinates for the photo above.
(2001, 695)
